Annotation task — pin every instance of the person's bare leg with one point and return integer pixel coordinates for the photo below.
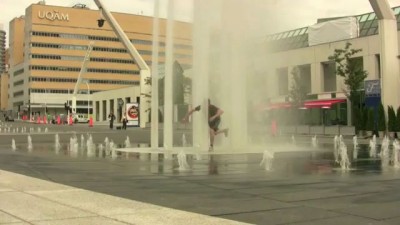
(212, 135)
(225, 131)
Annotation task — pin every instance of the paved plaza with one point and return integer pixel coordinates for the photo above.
(303, 187)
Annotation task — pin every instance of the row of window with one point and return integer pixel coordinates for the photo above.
(17, 83)
(19, 72)
(80, 58)
(72, 80)
(99, 49)
(76, 69)
(55, 91)
(102, 38)
(18, 93)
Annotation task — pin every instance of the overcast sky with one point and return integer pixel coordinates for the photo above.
(293, 13)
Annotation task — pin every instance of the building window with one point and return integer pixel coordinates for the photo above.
(17, 83)
(283, 82)
(18, 72)
(305, 74)
(18, 93)
(329, 75)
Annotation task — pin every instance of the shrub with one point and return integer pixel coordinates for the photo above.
(370, 124)
(391, 119)
(381, 118)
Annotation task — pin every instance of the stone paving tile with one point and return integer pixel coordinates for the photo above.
(28, 207)
(375, 211)
(81, 221)
(295, 196)
(393, 221)
(336, 202)
(6, 218)
(343, 220)
(172, 217)
(94, 202)
(283, 216)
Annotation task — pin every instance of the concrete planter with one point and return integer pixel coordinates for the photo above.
(317, 130)
(303, 129)
(332, 130)
(347, 130)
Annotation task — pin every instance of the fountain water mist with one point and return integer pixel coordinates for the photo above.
(101, 150)
(113, 149)
(127, 142)
(355, 147)
(91, 147)
(384, 154)
(314, 141)
(13, 146)
(39, 130)
(46, 130)
(293, 140)
(372, 147)
(107, 146)
(82, 142)
(30, 146)
(344, 158)
(182, 161)
(396, 149)
(336, 144)
(267, 160)
(184, 142)
(57, 145)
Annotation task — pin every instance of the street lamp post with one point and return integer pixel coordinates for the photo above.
(88, 103)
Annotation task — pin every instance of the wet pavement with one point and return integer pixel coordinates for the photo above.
(302, 187)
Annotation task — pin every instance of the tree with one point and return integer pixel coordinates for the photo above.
(351, 70)
(297, 92)
(381, 118)
(391, 119)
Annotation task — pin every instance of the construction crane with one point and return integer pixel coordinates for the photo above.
(143, 67)
(79, 80)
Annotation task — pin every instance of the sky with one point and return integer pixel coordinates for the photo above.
(292, 13)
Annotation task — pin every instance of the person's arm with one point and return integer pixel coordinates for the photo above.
(219, 113)
(186, 117)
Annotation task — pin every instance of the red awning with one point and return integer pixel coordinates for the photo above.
(326, 103)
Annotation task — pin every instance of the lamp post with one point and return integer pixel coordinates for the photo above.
(88, 103)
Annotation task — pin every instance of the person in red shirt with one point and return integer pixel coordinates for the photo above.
(214, 119)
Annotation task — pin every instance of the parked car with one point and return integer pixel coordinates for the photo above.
(9, 118)
(81, 118)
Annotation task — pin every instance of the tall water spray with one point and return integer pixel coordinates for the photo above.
(13, 146)
(267, 160)
(384, 154)
(107, 146)
(314, 141)
(336, 144)
(57, 145)
(372, 148)
(127, 142)
(229, 41)
(182, 161)
(355, 147)
(30, 146)
(344, 158)
(396, 149)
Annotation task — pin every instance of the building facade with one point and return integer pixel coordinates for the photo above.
(326, 103)
(2, 49)
(48, 45)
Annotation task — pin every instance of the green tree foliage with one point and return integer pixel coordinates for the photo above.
(381, 118)
(351, 70)
(370, 124)
(297, 92)
(391, 119)
(398, 119)
(297, 95)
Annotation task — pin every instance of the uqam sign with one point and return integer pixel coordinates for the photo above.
(53, 15)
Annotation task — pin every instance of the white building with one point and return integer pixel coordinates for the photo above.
(308, 50)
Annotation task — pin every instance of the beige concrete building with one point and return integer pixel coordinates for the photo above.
(48, 44)
(294, 49)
